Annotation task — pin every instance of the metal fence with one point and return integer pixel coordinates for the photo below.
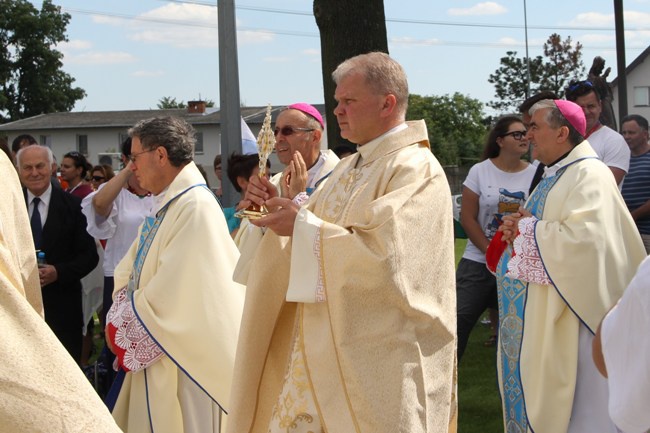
(456, 176)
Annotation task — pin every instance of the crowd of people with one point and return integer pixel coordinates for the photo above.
(341, 309)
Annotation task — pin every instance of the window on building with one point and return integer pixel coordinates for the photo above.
(82, 144)
(123, 136)
(45, 140)
(198, 149)
(642, 96)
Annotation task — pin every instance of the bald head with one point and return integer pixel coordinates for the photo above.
(34, 168)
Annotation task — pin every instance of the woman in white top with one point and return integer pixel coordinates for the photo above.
(114, 212)
(494, 187)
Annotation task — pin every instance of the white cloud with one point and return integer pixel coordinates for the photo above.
(148, 74)
(311, 52)
(596, 19)
(485, 8)
(409, 41)
(99, 58)
(595, 38)
(253, 37)
(509, 41)
(75, 44)
(181, 25)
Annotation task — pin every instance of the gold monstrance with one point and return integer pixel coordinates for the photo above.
(265, 145)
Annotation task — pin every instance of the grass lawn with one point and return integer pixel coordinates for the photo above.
(478, 395)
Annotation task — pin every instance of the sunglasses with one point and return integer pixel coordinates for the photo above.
(517, 135)
(289, 130)
(98, 178)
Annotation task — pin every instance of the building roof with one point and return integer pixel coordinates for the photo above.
(636, 62)
(126, 119)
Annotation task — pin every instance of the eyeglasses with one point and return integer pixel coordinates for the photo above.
(579, 84)
(98, 178)
(517, 135)
(289, 130)
(133, 156)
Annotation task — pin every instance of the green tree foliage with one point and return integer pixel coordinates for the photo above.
(167, 102)
(31, 78)
(455, 123)
(562, 62)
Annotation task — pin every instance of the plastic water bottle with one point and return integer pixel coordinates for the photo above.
(40, 259)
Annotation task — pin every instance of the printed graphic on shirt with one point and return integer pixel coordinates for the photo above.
(509, 202)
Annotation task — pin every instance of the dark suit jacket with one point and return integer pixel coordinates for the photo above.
(71, 250)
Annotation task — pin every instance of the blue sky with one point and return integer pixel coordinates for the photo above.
(129, 54)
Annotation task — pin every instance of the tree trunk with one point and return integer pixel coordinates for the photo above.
(347, 28)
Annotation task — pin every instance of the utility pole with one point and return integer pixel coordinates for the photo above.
(620, 59)
(230, 113)
(527, 57)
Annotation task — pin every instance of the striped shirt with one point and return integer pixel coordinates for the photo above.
(636, 188)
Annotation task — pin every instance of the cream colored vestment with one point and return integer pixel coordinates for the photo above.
(379, 351)
(42, 389)
(189, 304)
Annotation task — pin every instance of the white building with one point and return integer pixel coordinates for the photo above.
(102, 132)
(638, 87)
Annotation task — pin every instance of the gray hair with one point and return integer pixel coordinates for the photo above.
(383, 74)
(50, 155)
(174, 134)
(556, 119)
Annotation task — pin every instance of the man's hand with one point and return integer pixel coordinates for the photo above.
(282, 219)
(294, 178)
(47, 274)
(510, 226)
(259, 190)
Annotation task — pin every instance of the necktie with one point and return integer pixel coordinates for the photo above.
(37, 226)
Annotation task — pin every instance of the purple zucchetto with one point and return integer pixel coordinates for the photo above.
(308, 110)
(574, 114)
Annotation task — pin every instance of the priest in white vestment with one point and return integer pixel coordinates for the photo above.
(621, 351)
(349, 321)
(298, 134)
(42, 388)
(176, 313)
(574, 248)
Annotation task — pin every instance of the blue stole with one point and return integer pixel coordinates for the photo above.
(150, 227)
(512, 304)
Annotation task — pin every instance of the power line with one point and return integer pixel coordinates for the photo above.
(426, 42)
(414, 21)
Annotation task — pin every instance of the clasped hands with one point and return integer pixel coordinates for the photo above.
(510, 227)
(282, 211)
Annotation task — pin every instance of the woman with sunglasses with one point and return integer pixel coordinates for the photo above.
(74, 168)
(494, 187)
(114, 212)
(101, 174)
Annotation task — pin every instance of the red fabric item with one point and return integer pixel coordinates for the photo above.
(494, 252)
(111, 330)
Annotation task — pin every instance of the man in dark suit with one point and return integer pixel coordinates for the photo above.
(59, 230)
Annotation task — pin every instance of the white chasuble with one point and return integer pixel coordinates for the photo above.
(589, 247)
(368, 277)
(186, 300)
